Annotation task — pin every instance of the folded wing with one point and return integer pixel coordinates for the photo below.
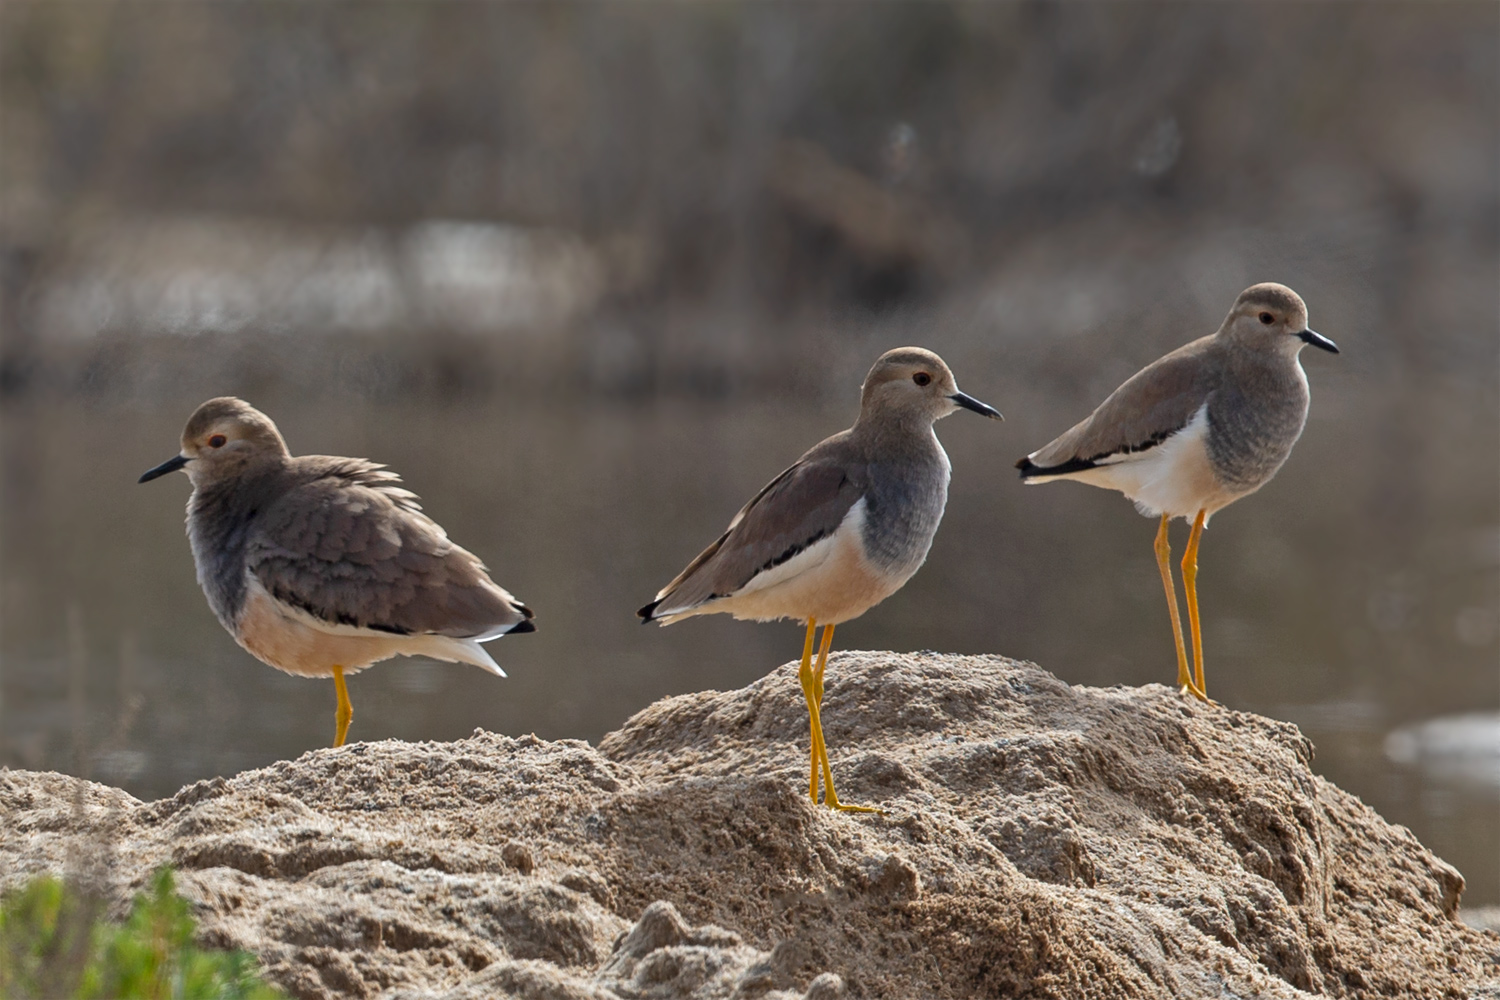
(354, 550)
(796, 510)
(1155, 403)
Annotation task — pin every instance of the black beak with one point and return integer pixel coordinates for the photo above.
(1318, 340)
(170, 465)
(970, 403)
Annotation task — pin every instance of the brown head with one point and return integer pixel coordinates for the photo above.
(912, 381)
(1272, 317)
(222, 438)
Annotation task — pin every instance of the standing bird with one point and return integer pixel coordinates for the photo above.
(1196, 430)
(839, 531)
(322, 566)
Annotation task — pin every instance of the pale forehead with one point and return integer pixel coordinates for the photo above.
(910, 357)
(1271, 296)
(220, 410)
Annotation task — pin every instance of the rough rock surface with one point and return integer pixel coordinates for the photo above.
(1039, 840)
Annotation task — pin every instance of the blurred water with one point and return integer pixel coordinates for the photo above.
(589, 274)
(1348, 625)
(1460, 748)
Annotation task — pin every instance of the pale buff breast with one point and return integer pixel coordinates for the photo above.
(831, 582)
(281, 637)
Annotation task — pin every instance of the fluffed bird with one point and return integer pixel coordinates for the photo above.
(321, 566)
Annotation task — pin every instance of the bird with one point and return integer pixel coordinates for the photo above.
(320, 565)
(1194, 431)
(839, 531)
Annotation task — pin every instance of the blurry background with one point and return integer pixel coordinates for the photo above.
(588, 275)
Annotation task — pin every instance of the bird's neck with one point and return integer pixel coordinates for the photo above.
(888, 432)
(237, 497)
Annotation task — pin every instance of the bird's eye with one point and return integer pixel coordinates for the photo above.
(217, 441)
(922, 378)
(1267, 318)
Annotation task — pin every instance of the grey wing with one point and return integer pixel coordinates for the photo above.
(1151, 406)
(365, 556)
(803, 505)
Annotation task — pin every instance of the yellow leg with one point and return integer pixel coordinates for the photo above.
(1163, 554)
(822, 663)
(345, 710)
(805, 675)
(818, 750)
(1190, 587)
(815, 704)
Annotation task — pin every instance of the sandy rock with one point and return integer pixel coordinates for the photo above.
(1039, 840)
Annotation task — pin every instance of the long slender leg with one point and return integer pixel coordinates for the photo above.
(805, 675)
(822, 663)
(830, 797)
(1163, 554)
(820, 748)
(1190, 587)
(345, 710)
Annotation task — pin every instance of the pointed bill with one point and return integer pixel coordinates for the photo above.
(968, 402)
(170, 465)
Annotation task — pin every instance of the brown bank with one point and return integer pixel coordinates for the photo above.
(1042, 841)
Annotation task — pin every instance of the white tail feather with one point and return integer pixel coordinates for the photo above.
(441, 647)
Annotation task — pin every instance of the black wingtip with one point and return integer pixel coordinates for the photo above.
(1029, 468)
(646, 612)
(526, 625)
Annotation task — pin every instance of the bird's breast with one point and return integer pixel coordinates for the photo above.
(217, 533)
(903, 507)
(1252, 429)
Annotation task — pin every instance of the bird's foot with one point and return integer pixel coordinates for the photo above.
(1192, 689)
(832, 802)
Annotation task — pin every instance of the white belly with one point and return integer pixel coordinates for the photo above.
(831, 581)
(1174, 478)
(292, 640)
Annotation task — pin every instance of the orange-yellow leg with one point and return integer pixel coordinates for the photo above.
(830, 797)
(822, 663)
(818, 749)
(805, 675)
(1190, 587)
(1163, 554)
(345, 710)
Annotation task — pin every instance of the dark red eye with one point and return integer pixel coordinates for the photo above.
(922, 378)
(217, 441)
(1267, 318)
